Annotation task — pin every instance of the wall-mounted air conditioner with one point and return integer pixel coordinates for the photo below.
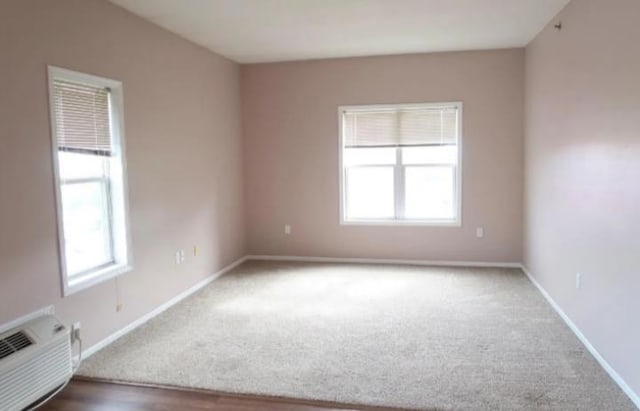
(35, 358)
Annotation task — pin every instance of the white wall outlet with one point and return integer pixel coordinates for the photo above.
(578, 280)
(480, 232)
(75, 331)
(181, 256)
(287, 229)
(177, 257)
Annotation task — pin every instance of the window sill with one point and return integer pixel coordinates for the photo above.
(404, 223)
(73, 285)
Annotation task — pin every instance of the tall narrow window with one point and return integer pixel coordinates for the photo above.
(401, 164)
(89, 162)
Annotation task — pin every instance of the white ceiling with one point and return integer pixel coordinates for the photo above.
(251, 31)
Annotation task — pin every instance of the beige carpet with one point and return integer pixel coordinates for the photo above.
(401, 336)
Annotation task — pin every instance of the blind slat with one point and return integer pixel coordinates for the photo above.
(401, 127)
(82, 117)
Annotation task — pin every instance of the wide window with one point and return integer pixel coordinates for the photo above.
(89, 162)
(401, 164)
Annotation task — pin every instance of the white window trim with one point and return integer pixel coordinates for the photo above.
(124, 261)
(456, 222)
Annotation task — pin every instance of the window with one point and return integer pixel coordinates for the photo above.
(89, 165)
(400, 164)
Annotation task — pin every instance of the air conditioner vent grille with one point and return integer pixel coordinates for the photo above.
(14, 343)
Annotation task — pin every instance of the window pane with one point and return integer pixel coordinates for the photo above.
(430, 155)
(87, 228)
(369, 155)
(77, 165)
(429, 192)
(370, 192)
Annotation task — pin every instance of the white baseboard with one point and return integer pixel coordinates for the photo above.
(111, 338)
(384, 261)
(28, 317)
(635, 398)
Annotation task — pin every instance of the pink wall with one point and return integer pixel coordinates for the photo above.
(183, 134)
(291, 153)
(583, 173)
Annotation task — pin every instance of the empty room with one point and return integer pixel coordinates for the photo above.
(319, 205)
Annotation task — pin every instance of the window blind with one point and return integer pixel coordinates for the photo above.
(82, 118)
(401, 127)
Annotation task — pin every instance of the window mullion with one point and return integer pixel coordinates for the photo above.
(398, 189)
(398, 186)
(85, 180)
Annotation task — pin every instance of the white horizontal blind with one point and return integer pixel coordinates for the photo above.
(419, 126)
(82, 118)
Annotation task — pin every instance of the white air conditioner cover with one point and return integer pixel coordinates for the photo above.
(35, 370)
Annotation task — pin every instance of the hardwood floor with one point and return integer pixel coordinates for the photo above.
(88, 395)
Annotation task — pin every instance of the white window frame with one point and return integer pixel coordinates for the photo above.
(399, 174)
(120, 235)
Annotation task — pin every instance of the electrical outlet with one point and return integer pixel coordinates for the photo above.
(177, 257)
(75, 331)
(195, 250)
(479, 232)
(578, 280)
(181, 256)
(287, 229)
(119, 307)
